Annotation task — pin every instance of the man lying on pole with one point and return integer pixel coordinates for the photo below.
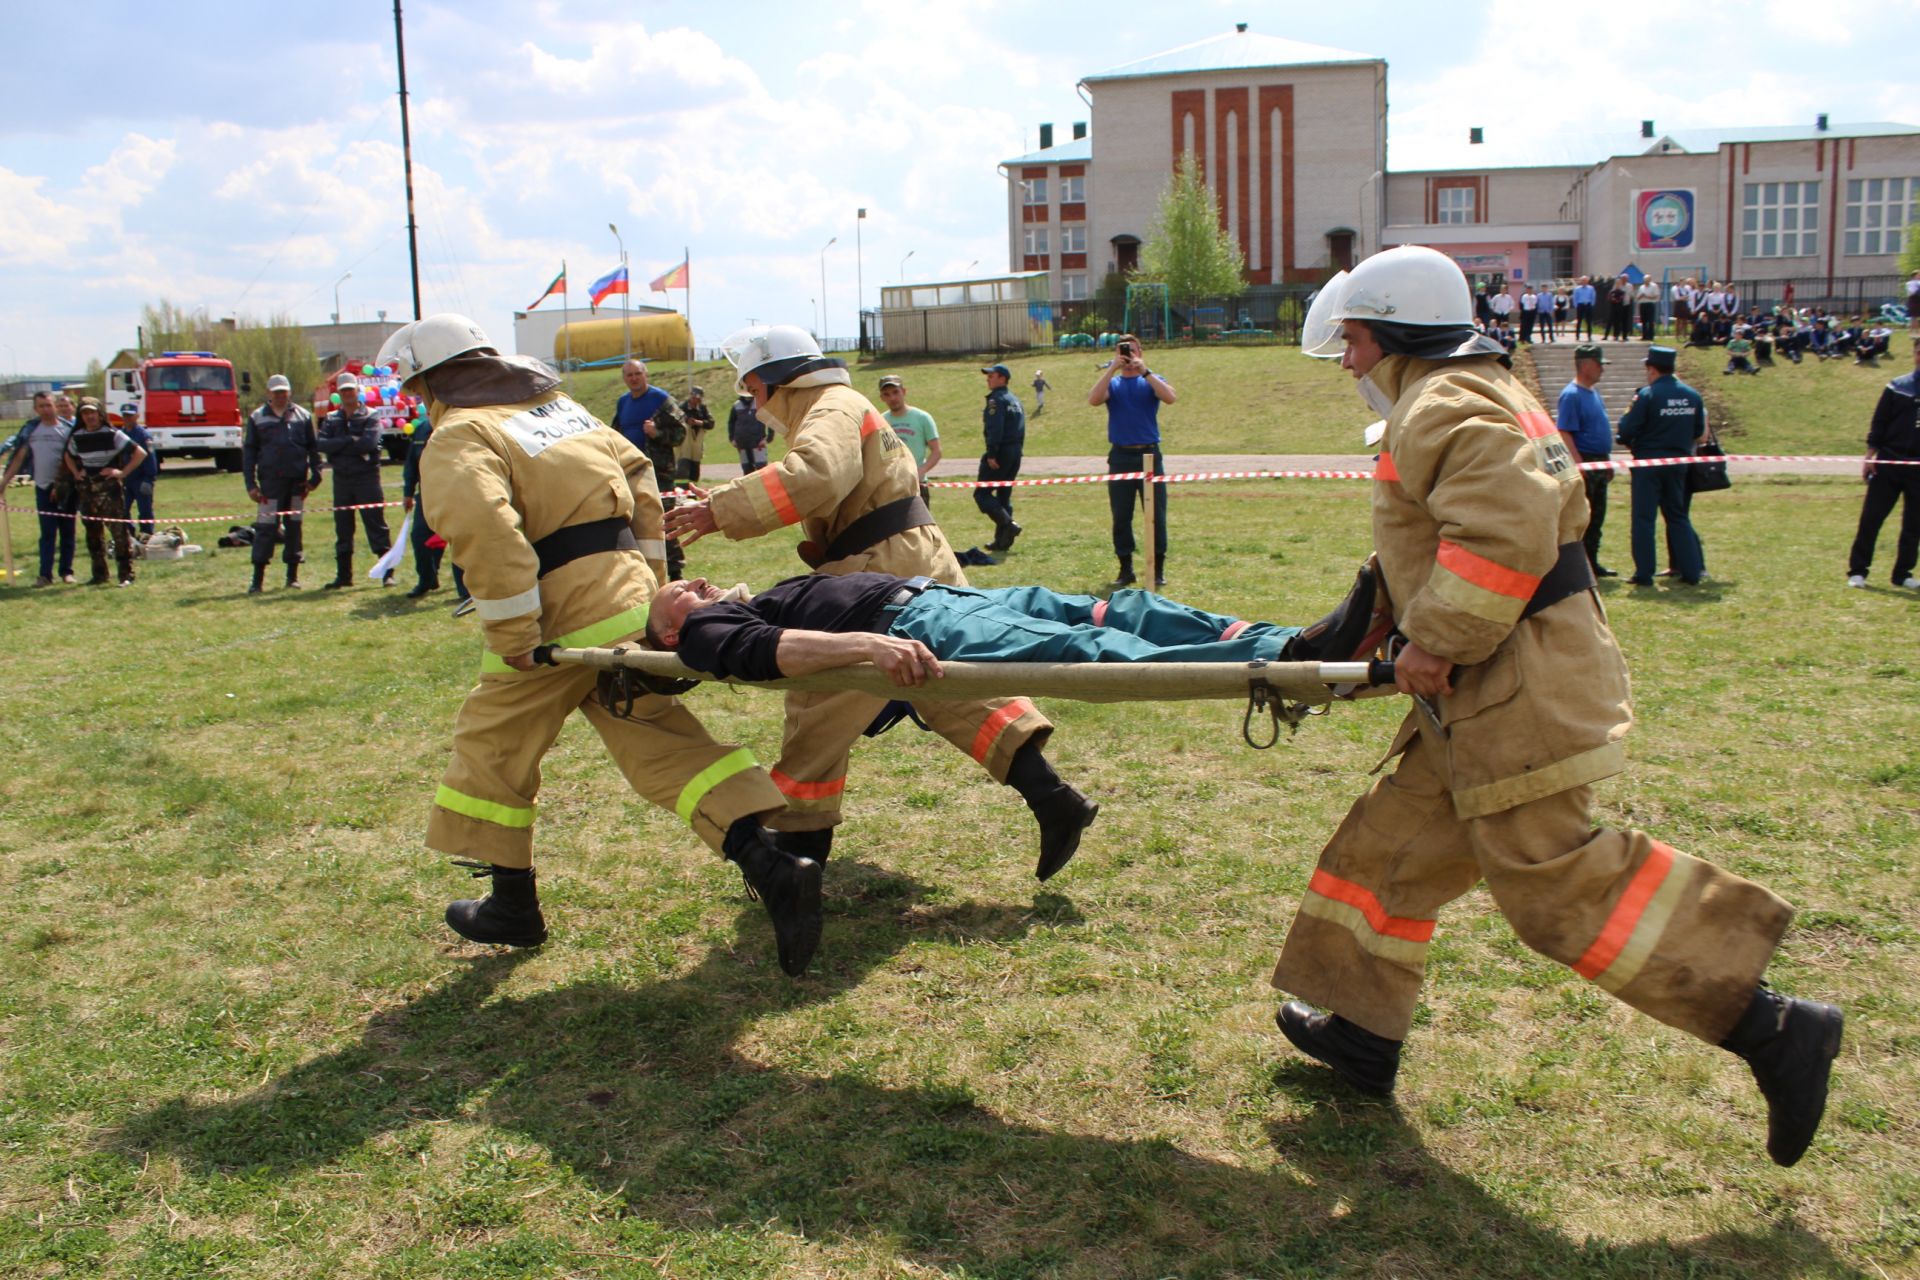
(907, 626)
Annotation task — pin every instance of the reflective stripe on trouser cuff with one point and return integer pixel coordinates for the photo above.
(810, 797)
(1637, 922)
(739, 760)
(1357, 910)
(620, 624)
(996, 724)
(505, 815)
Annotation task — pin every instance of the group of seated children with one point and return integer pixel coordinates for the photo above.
(1795, 334)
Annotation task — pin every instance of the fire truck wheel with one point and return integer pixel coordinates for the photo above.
(227, 459)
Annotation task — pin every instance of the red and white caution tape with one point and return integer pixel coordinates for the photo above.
(172, 520)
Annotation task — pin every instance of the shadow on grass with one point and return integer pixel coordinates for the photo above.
(641, 1093)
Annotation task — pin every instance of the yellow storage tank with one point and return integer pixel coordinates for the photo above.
(655, 337)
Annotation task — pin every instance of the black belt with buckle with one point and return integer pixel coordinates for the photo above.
(576, 541)
(900, 599)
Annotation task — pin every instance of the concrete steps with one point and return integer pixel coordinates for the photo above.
(1553, 364)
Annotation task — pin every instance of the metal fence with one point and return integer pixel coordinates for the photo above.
(1843, 295)
(1264, 315)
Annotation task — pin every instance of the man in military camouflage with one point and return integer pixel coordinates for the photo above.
(1478, 512)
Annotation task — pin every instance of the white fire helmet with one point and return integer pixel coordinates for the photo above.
(1411, 285)
(757, 347)
(426, 344)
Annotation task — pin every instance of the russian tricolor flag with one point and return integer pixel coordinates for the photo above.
(615, 281)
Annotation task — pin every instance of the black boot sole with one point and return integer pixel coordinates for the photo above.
(1804, 1099)
(1051, 862)
(799, 937)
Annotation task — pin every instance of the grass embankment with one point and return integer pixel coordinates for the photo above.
(239, 1041)
(1814, 407)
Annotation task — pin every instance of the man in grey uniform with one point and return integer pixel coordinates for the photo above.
(281, 466)
(350, 437)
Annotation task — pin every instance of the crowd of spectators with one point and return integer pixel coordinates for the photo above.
(83, 467)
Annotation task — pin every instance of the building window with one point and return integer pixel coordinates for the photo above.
(1036, 242)
(1073, 190)
(1073, 288)
(1780, 219)
(1073, 239)
(1033, 191)
(1878, 211)
(1455, 204)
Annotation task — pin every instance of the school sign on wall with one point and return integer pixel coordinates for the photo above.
(1663, 219)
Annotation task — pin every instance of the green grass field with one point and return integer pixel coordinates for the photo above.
(237, 1040)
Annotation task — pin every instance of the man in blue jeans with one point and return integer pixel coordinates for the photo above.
(1133, 395)
(39, 446)
(1667, 419)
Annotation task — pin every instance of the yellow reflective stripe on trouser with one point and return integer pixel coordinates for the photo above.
(739, 760)
(504, 815)
(620, 624)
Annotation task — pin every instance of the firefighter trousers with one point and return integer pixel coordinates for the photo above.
(484, 808)
(822, 727)
(1677, 938)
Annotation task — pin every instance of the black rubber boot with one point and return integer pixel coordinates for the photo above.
(1064, 814)
(1125, 577)
(259, 580)
(421, 588)
(509, 916)
(789, 887)
(1364, 1060)
(1790, 1046)
(807, 844)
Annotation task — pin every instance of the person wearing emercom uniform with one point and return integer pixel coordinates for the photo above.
(1666, 420)
(1003, 422)
(280, 462)
(915, 427)
(1133, 395)
(1894, 434)
(1477, 515)
(557, 522)
(41, 449)
(850, 484)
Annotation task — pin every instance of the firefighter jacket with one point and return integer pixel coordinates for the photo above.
(276, 447)
(1474, 494)
(842, 461)
(351, 443)
(496, 479)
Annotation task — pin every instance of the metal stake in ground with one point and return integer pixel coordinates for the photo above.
(1150, 544)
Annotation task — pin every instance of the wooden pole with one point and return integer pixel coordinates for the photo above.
(6, 536)
(1151, 578)
(1081, 681)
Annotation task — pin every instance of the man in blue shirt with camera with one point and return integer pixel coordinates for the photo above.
(1133, 395)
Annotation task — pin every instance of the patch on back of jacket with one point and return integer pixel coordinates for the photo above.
(535, 429)
(1548, 449)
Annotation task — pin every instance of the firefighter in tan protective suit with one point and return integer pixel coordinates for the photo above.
(556, 521)
(852, 486)
(1521, 706)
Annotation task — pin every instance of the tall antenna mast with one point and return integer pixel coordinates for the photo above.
(406, 154)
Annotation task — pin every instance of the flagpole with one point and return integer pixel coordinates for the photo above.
(566, 320)
(686, 300)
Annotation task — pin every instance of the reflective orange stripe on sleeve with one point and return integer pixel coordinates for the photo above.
(1383, 468)
(1537, 425)
(807, 790)
(1363, 901)
(777, 495)
(1486, 574)
(870, 424)
(995, 724)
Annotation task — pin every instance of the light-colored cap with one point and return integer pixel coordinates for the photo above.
(344, 381)
(278, 382)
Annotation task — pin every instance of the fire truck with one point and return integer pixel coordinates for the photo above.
(187, 402)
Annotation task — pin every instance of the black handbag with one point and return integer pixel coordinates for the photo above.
(1709, 477)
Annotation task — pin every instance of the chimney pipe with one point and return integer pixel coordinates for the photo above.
(1241, 27)
(1476, 135)
(1820, 122)
(1046, 136)
(1646, 128)
(1079, 130)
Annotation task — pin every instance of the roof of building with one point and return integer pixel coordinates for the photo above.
(1233, 51)
(1067, 152)
(1506, 149)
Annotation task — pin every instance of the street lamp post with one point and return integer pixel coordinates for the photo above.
(336, 295)
(823, 286)
(859, 283)
(903, 265)
(626, 318)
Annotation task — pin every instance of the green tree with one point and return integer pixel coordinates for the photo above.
(1186, 250)
(1910, 256)
(261, 348)
(96, 378)
(165, 326)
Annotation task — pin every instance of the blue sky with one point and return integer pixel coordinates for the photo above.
(242, 157)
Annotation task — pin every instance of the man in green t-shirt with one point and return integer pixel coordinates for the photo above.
(915, 428)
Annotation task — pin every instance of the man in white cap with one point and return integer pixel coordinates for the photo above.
(556, 521)
(350, 437)
(281, 465)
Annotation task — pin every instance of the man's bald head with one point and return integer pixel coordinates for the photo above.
(634, 374)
